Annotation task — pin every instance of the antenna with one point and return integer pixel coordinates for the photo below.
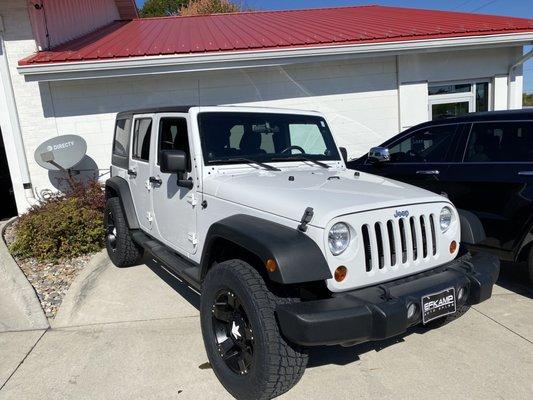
(199, 97)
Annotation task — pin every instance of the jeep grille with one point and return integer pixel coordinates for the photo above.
(403, 240)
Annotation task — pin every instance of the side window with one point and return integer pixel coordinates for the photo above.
(432, 144)
(173, 136)
(308, 137)
(142, 131)
(122, 137)
(500, 142)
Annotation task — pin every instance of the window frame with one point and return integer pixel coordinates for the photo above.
(491, 162)
(133, 137)
(158, 144)
(459, 97)
(449, 154)
(122, 160)
(334, 157)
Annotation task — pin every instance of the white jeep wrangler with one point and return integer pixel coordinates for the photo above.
(255, 208)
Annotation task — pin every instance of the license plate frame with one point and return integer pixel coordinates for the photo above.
(438, 304)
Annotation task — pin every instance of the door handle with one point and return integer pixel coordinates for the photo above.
(428, 172)
(526, 173)
(132, 173)
(156, 181)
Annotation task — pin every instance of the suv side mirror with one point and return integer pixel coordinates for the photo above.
(379, 154)
(344, 154)
(173, 161)
(176, 162)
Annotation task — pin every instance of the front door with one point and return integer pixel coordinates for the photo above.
(421, 158)
(139, 172)
(174, 206)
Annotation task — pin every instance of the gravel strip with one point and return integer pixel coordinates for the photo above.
(51, 281)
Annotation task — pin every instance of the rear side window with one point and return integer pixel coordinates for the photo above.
(500, 142)
(431, 144)
(122, 137)
(142, 131)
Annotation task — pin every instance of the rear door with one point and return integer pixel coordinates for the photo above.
(421, 158)
(140, 169)
(495, 179)
(174, 206)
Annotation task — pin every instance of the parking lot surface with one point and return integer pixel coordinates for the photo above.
(128, 334)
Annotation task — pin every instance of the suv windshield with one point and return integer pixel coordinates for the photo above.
(233, 136)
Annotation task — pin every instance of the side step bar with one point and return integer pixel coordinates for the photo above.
(185, 269)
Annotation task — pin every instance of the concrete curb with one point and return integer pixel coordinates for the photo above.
(79, 288)
(19, 290)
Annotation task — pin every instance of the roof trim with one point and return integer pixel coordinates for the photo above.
(254, 58)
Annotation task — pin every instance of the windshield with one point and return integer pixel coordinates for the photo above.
(234, 136)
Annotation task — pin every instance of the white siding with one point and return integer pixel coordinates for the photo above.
(358, 97)
(65, 20)
(417, 70)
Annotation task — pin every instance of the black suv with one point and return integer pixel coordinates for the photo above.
(483, 162)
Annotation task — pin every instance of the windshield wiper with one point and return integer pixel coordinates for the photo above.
(246, 160)
(299, 157)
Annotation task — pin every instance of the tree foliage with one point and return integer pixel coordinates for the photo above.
(527, 99)
(200, 7)
(161, 8)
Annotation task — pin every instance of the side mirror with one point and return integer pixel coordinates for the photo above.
(344, 154)
(176, 162)
(379, 154)
(173, 161)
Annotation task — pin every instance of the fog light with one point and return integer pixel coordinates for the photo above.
(340, 273)
(462, 293)
(453, 246)
(271, 265)
(411, 310)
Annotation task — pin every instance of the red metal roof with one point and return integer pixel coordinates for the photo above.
(266, 30)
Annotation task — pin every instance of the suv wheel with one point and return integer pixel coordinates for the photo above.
(121, 248)
(241, 336)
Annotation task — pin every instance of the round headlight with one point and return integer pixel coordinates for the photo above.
(445, 218)
(338, 238)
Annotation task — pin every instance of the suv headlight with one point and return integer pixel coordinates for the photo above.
(445, 218)
(338, 238)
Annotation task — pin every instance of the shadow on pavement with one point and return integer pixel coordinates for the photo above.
(174, 282)
(514, 277)
(338, 355)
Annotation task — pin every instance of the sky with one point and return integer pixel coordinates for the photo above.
(515, 8)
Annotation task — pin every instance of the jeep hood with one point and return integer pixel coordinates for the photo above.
(329, 193)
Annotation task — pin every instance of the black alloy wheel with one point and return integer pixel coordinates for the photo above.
(233, 334)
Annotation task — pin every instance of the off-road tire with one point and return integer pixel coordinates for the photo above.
(125, 252)
(277, 364)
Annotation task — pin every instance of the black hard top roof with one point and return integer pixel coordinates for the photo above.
(505, 115)
(154, 110)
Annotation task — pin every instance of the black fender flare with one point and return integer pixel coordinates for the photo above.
(297, 256)
(119, 186)
(472, 231)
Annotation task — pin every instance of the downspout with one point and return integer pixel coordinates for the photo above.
(512, 69)
(14, 117)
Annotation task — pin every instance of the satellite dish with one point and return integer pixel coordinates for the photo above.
(61, 153)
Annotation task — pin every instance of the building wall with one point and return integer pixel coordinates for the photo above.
(64, 20)
(417, 70)
(361, 98)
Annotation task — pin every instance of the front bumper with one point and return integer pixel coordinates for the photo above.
(379, 312)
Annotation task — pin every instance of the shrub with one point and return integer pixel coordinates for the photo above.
(62, 225)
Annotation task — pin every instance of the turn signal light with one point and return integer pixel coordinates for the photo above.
(271, 265)
(340, 273)
(453, 246)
